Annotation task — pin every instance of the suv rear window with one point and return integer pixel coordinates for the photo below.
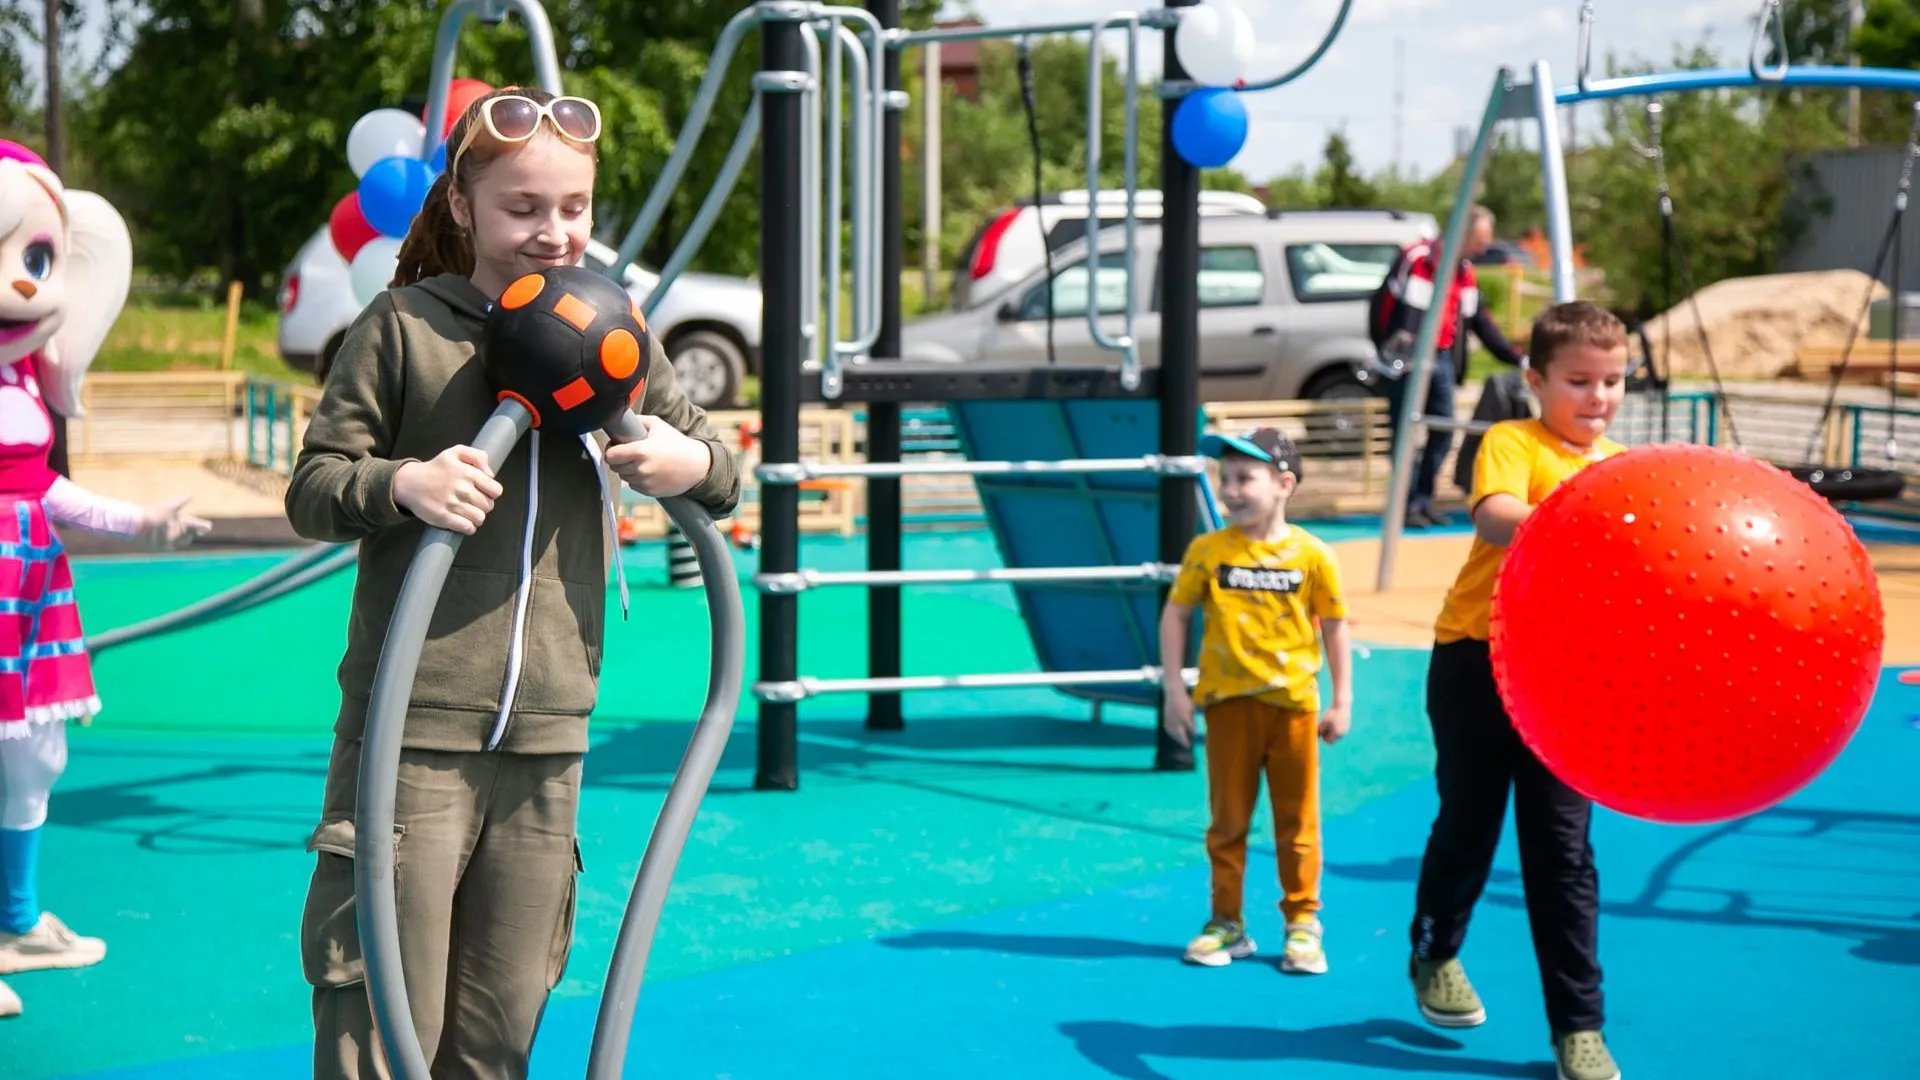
(1323, 273)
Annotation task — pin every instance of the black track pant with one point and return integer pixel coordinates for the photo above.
(1480, 757)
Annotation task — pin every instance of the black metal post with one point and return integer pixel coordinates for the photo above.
(883, 418)
(1179, 353)
(782, 56)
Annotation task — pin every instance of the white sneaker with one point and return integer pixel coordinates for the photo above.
(48, 945)
(1305, 955)
(9, 1002)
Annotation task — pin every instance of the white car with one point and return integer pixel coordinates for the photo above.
(1283, 305)
(709, 323)
(1008, 247)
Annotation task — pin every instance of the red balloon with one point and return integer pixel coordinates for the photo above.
(1685, 634)
(348, 226)
(460, 94)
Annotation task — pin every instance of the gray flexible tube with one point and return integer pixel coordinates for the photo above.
(256, 590)
(725, 673)
(375, 914)
(374, 900)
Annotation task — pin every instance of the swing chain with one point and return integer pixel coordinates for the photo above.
(1906, 166)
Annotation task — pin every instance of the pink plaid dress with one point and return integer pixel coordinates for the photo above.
(45, 675)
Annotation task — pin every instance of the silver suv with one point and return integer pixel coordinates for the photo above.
(1283, 303)
(710, 323)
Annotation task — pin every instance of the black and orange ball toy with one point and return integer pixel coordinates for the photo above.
(570, 345)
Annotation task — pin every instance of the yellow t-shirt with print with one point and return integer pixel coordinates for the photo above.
(1258, 601)
(1521, 458)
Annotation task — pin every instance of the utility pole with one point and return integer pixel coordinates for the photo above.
(56, 138)
(1399, 100)
(1856, 13)
(56, 158)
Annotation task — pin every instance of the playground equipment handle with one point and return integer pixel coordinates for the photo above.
(725, 675)
(374, 901)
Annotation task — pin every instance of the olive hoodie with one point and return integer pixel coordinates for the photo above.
(405, 385)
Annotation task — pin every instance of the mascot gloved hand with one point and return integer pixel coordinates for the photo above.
(66, 264)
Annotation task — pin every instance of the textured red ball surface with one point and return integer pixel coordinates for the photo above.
(1685, 634)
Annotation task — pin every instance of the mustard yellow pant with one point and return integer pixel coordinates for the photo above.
(1246, 738)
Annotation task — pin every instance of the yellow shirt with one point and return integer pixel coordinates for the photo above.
(1259, 601)
(1523, 459)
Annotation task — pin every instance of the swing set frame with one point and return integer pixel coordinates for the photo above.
(1536, 99)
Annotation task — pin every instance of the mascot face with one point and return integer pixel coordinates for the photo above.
(33, 262)
(66, 264)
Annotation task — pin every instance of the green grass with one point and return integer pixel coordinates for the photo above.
(182, 331)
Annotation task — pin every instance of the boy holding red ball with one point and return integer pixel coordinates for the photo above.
(1578, 371)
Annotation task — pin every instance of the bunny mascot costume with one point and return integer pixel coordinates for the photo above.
(65, 266)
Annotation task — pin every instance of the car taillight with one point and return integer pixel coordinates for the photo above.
(289, 293)
(989, 248)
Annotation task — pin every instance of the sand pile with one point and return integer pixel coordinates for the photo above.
(1756, 324)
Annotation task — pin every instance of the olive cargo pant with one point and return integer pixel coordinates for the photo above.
(485, 874)
(1246, 738)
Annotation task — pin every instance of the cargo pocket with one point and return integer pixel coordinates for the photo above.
(329, 938)
(562, 946)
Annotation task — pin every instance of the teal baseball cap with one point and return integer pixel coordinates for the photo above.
(1261, 444)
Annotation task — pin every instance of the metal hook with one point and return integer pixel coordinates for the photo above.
(1586, 42)
(1769, 16)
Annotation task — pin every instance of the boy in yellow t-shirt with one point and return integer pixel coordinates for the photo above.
(1578, 373)
(1263, 584)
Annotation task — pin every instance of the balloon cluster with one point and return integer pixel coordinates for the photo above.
(387, 151)
(1215, 45)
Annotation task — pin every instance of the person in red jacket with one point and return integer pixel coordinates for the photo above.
(1399, 304)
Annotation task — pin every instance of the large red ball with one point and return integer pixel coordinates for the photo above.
(1685, 634)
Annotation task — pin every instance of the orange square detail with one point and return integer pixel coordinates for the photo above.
(573, 394)
(575, 310)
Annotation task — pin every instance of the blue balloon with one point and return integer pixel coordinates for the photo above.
(439, 162)
(392, 190)
(1210, 127)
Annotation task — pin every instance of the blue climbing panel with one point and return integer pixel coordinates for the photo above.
(1068, 519)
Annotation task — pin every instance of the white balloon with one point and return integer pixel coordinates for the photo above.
(384, 133)
(1215, 43)
(373, 267)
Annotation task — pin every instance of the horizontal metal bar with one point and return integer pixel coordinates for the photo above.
(1471, 427)
(907, 39)
(801, 580)
(802, 688)
(793, 473)
(1866, 78)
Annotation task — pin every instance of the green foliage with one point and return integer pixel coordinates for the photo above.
(1339, 181)
(1732, 159)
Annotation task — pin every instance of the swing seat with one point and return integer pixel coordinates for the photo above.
(1848, 485)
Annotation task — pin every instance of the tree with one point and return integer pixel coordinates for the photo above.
(1339, 179)
(1510, 186)
(1731, 160)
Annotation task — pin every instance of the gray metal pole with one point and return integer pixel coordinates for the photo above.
(1553, 177)
(1408, 422)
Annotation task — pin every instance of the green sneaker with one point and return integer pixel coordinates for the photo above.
(1219, 944)
(1446, 997)
(1304, 953)
(1582, 1055)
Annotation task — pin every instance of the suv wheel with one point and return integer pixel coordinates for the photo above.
(710, 368)
(1339, 434)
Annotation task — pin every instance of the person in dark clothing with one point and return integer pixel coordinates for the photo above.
(1401, 301)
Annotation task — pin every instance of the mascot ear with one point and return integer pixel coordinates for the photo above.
(99, 274)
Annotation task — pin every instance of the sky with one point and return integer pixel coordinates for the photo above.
(1452, 50)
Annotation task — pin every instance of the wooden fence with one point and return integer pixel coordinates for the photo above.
(250, 428)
